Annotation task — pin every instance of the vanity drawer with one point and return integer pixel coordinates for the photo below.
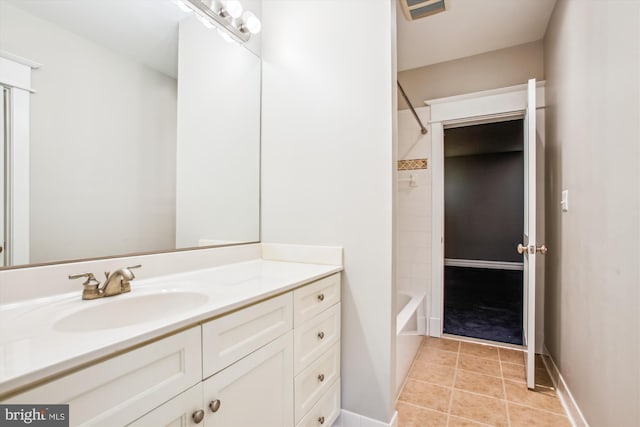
(314, 337)
(325, 412)
(313, 381)
(231, 337)
(315, 298)
(123, 388)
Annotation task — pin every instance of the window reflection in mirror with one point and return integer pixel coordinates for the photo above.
(144, 129)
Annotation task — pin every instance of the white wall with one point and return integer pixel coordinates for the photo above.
(414, 205)
(592, 68)
(218, 148)
(328, 165)
(77, 154)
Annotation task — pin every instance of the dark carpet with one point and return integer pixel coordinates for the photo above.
(483, 303)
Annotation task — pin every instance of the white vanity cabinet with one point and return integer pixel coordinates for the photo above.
(273, 363)
(317, 352)
(253, 392)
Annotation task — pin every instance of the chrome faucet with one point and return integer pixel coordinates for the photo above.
(115, 283)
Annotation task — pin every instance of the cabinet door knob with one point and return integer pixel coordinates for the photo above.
(321, 420)
(198, 416)
(321, 335)
(321, 297)
(214, 405)
(321, 377)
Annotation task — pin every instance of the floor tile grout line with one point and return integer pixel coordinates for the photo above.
(537, 409)
(504, 392)
(472, 420)
(453, 384)
(422, 407)
(466, 391)
(480, 373)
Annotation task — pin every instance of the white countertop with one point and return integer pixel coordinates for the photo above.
(33, 347)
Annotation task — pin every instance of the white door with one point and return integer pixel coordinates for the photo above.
(529, 247)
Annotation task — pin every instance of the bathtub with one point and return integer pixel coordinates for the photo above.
(410, 328)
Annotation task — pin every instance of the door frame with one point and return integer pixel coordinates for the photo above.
(464, 110)
(15, 74)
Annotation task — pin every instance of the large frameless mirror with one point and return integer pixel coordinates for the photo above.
(143, 131)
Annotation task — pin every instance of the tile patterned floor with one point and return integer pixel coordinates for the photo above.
(456, 384)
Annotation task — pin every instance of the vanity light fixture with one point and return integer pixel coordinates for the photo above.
(227, 15)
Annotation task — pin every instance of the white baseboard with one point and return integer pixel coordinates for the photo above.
(569, 403)
(351, 419)
(475, 263)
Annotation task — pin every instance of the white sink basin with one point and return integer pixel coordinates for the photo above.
(126, 310)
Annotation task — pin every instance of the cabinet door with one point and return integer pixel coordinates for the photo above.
(256, 391)
(121, 389)
(178, 412)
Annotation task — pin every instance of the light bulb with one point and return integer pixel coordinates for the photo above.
(233, 8)
(182, 6)
(251, 22)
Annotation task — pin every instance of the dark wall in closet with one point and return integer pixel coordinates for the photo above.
(484, 191)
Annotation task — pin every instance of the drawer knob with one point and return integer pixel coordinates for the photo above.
(321, 420)
(214, 405)
(198, 416)
(321, 297)
(321, 335)
(321, 377)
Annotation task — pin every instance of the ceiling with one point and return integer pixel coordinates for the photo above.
(470, 27)
(146, 30)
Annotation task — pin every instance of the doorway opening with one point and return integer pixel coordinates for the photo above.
(483, 222)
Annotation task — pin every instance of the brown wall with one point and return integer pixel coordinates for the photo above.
(592, 297)
(492, 70)
(484, 191)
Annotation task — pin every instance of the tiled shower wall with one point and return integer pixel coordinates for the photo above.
(414, 204)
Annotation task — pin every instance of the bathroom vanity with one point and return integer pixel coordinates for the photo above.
(254, 343)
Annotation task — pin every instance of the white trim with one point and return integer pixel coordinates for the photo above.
(566, 398)
(15, 75)
(457, 110)
(483, 93)
(435, 327)
(476, 263)
(19, 59)
(437, 229)
(351, 419)
(483, 105)
(18, 77)
(481, 120)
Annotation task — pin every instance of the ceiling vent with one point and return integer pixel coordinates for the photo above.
(416, 9)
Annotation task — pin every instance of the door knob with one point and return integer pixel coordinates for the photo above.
(542, 249)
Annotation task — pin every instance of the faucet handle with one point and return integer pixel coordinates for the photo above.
(91, 279)
(91, 290)
(126, 286)
(134, 266)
